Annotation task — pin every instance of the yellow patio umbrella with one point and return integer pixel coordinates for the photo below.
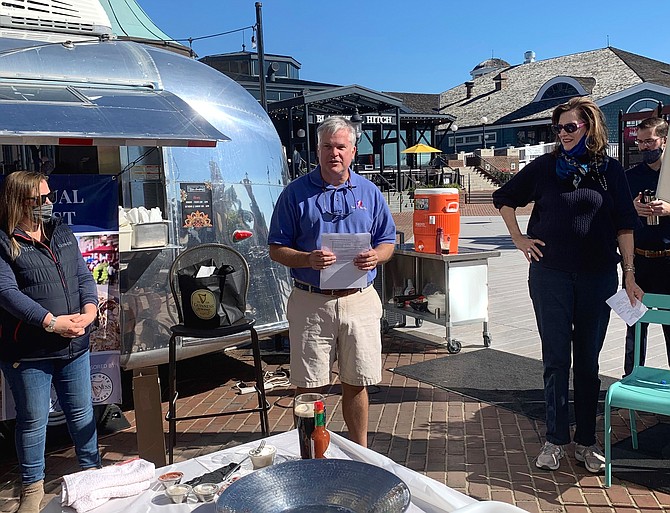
(421, 148)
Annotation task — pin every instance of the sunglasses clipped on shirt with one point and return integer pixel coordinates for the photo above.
(568, 127)
(44, 197)
(327, 200)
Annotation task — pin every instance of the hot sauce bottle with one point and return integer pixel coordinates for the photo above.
(320, 437)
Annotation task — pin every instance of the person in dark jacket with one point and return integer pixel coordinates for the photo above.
(48, 299)
(582, 215)
(652, 241)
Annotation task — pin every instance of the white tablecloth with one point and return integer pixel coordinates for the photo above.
(428, 496)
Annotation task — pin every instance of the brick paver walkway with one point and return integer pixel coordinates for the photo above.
(479, 449)
(482, 450)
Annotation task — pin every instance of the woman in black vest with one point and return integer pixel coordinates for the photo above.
(47, 301)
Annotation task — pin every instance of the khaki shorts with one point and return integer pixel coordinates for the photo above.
(323, 329)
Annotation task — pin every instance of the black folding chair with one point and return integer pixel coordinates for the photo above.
(221, 254)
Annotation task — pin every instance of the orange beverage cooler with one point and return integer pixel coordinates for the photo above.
(433, 209)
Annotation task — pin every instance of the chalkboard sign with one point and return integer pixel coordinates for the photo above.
(196, 205)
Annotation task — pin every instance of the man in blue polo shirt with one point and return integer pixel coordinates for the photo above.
(342, 324)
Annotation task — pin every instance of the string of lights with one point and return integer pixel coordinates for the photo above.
(190, 40)
(67, 44)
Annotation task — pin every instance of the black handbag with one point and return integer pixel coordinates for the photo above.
(213, 301)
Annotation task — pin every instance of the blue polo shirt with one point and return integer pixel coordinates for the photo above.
(309, 206)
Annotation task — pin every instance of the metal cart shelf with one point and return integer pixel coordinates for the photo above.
(462, 277)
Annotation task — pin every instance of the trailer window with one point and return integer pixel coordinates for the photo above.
(37, 94)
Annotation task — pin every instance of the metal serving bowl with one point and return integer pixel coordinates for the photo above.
(317, 485)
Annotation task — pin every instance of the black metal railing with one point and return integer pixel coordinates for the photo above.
(383, 183)
(490, 171)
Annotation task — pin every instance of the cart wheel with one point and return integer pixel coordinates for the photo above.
(385, 326)
(454, 347)
(487, 340)
(418, 322)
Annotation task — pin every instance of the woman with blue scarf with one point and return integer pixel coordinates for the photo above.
(582, 215)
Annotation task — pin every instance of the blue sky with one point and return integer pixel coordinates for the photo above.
(422, 46)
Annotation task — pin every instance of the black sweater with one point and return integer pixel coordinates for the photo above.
(578, 226)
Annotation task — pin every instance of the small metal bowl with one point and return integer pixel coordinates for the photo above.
(178, 493)
(170, 478)
(205, 492)
(264, 458)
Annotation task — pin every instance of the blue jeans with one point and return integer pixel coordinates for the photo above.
(570, 310)
(30, 382)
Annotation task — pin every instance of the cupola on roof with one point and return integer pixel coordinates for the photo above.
(491, 63)
(488, 66)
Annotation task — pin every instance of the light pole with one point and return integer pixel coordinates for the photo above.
(261, 56)
(484, 121)
(297, 157)
(357, 121)
(454, 128)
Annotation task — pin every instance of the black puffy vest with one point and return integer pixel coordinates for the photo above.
(48, 275)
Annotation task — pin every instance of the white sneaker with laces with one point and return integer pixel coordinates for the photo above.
(592, 456)
(550, 456)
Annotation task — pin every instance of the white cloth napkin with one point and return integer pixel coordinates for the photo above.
(155, 215)
(144, 215)
(89, 489)
(133, 215)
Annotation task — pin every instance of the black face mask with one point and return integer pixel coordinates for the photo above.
(651, 156)
(43, 212)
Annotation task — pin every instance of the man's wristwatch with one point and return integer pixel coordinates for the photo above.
(52, 324)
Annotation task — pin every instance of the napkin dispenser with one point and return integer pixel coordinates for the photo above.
(149, 230)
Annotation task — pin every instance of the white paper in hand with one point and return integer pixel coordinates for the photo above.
(343, 274)
(620, 303)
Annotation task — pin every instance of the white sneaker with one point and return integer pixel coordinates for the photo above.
(550, 456)
(592, 457)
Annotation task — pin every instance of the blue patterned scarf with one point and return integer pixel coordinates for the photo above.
(569, 167)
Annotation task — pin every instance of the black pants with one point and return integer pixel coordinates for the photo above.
(652, 275)
(572, 319)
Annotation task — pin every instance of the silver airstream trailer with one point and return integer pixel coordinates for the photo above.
(163, 125)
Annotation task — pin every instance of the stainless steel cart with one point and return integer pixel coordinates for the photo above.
(462, 277)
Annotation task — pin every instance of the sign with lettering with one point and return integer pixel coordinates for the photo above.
(196, 205)
(368, 119)
(87, 203)
(379, 120)
(105, 377)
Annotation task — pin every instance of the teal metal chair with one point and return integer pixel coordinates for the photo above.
(645, 389)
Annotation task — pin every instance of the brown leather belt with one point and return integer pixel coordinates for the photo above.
(327, 292)
(652, 253)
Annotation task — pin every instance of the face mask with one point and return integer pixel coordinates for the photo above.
(651, 156)
(43, 212)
